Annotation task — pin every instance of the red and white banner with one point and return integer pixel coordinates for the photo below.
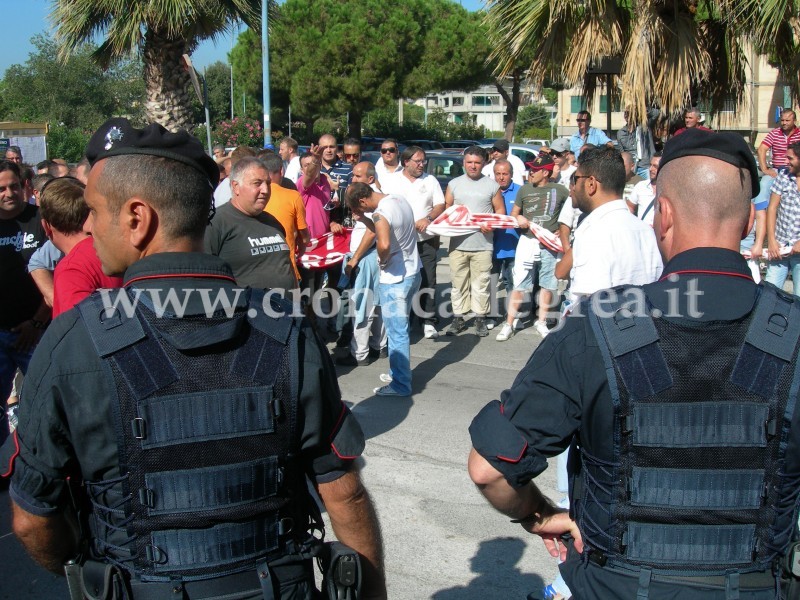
(458, 220)
(327, 250)
(785, 251)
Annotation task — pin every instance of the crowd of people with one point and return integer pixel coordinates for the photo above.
(149, 211)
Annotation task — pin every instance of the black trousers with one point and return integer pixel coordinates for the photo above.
(428, 250)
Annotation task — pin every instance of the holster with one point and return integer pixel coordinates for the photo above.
(341, 572)
(93, 580)
(790, 573)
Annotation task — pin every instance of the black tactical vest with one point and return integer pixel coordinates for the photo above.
(702, 415)
(206, 424)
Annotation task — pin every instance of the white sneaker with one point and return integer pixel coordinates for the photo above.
(386, 378)
(430, 331)
(490, 323)
(541, 328)
(506, 331)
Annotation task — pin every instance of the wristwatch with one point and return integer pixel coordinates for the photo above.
(430, 218)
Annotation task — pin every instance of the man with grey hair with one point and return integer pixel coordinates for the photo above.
(14, 154)
(251, 241)
(692, 119)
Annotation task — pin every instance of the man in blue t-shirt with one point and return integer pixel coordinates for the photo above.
(505, 240)
(586, 134)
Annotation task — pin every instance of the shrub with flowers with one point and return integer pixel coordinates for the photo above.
(239, 131)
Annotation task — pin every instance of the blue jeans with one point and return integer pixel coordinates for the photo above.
(505, 269)
(777, 271)
(10, 361)
(395, 308)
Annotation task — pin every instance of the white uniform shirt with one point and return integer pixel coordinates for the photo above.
(382, 171)
(422, 194)
(612, 247)
(292, 172)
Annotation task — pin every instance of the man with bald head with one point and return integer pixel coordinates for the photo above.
(680, 399)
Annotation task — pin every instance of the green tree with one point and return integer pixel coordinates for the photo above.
(160, 32)
(76, 93)
(532, 117)
(218, 83)
(671, 54)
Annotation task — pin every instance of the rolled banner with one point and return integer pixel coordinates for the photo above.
(327, 250)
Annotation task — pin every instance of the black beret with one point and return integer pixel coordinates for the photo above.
(117, 137)
(725, 146)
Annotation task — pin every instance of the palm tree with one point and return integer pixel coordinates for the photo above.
(671, 52)
(161, 31)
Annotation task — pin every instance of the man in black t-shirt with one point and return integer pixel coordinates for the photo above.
(251, 241)
(23, 313)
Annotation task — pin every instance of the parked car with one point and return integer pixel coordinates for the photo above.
(537, 142)
(444, 166)
(524, 152)
(424, 144)
(460, 144)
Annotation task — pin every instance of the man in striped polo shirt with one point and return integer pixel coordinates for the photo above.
(777, 141)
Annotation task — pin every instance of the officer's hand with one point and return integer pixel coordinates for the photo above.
(28, 336)
(551, 528)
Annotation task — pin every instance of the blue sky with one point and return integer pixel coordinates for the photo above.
(28, 18)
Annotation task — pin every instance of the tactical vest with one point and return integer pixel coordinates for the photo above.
(702, 413)
(206, 424)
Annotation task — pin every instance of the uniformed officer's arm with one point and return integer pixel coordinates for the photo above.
(50, 540)
(355, 524)
(525, 505)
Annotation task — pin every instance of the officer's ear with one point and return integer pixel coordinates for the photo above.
(139, 222)
(750, 220)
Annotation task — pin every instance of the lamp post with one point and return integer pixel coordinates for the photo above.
(265, 71)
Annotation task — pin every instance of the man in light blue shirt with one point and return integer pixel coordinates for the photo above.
(586, 134)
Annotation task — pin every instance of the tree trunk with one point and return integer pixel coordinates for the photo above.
(167, 82)
(512, 102)
(354, 125)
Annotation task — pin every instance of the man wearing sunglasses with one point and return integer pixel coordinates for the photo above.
(501, 150)
(587, 134)
(389, 162)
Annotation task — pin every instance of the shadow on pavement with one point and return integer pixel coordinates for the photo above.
(451, 349)
(380, 414)
(498, 576)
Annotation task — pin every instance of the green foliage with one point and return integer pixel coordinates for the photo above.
(77, 93)
(68, 143)
(240, 131)
(550, 95)
(218, 83)
(533, 116)
(245, 58)
(382, 122)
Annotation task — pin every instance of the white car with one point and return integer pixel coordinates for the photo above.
(538, 142)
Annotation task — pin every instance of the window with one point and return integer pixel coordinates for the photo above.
(604, 104)
(577, 104)
(728, 105)
(445, 102)
(458, 100)
(486, 101)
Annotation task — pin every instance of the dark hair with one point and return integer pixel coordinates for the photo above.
(7, 165)
(390, 141)
(39, 180)
(585, 112)
(355, 193)
(606, 165)
(62, 205)
(15, 149)
(476, 151)
(795, 147)
(43, 164)
(26, 174)
(179, 193)
(409, 153)
(352, 142)
(272, 163)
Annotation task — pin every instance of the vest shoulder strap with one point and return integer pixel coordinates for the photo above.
(111, 329)
(775, 328)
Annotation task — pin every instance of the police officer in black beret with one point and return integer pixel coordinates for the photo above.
(679, 398)
(167, 430)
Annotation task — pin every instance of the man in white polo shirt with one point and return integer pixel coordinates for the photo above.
(425, 196)
(611, 246)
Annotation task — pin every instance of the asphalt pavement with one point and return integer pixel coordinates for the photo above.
(442, 540)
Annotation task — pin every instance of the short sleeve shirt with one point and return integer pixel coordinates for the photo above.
(778, 142)
(787, 225)
(477, 196)
(78, 275)
(287, 207)
(315, 198)
(422, 193)
(542, 205)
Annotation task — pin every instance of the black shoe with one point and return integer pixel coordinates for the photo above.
(344, 340)
(456, 327)
(480, 327)
(350, 361)
(376, 354)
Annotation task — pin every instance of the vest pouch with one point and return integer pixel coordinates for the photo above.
(341, 572)
(94, 580)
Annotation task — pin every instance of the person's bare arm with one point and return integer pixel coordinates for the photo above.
(302, 240)
(383, 240)
(773, 248)
(762, 161)
(527, 504)
(363, 248)
(757, 250)
(49, 540)
(564, 266)
(355, 524)
(563, 235)
(43, 278)
(498, 204)
(422, 224)
(631, 206)
(448, 198)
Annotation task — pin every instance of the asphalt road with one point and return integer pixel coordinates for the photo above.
(442, 540)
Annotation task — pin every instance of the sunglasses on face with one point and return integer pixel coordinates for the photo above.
(356, 155)
(388, 150)
(582, 120)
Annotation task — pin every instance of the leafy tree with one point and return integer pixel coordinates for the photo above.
(76, 93)
(218, 83)
(68, 143)
(530, 118)
(160, 32)
(671, 54)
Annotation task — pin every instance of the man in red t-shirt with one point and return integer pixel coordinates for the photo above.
(692, 119)
(777, 141)
(79, 273)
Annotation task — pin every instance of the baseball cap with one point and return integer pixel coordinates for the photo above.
(543, 161)
(560, 145)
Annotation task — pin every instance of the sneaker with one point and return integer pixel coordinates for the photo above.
(386, 378)
(457, 326)
(351, 361)
(376, 354)
(387, 390)
(518, 325)
(480, 327)
(541, 328)
(506, 331)
(549, 593)
(430, 331)
(490, 324)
